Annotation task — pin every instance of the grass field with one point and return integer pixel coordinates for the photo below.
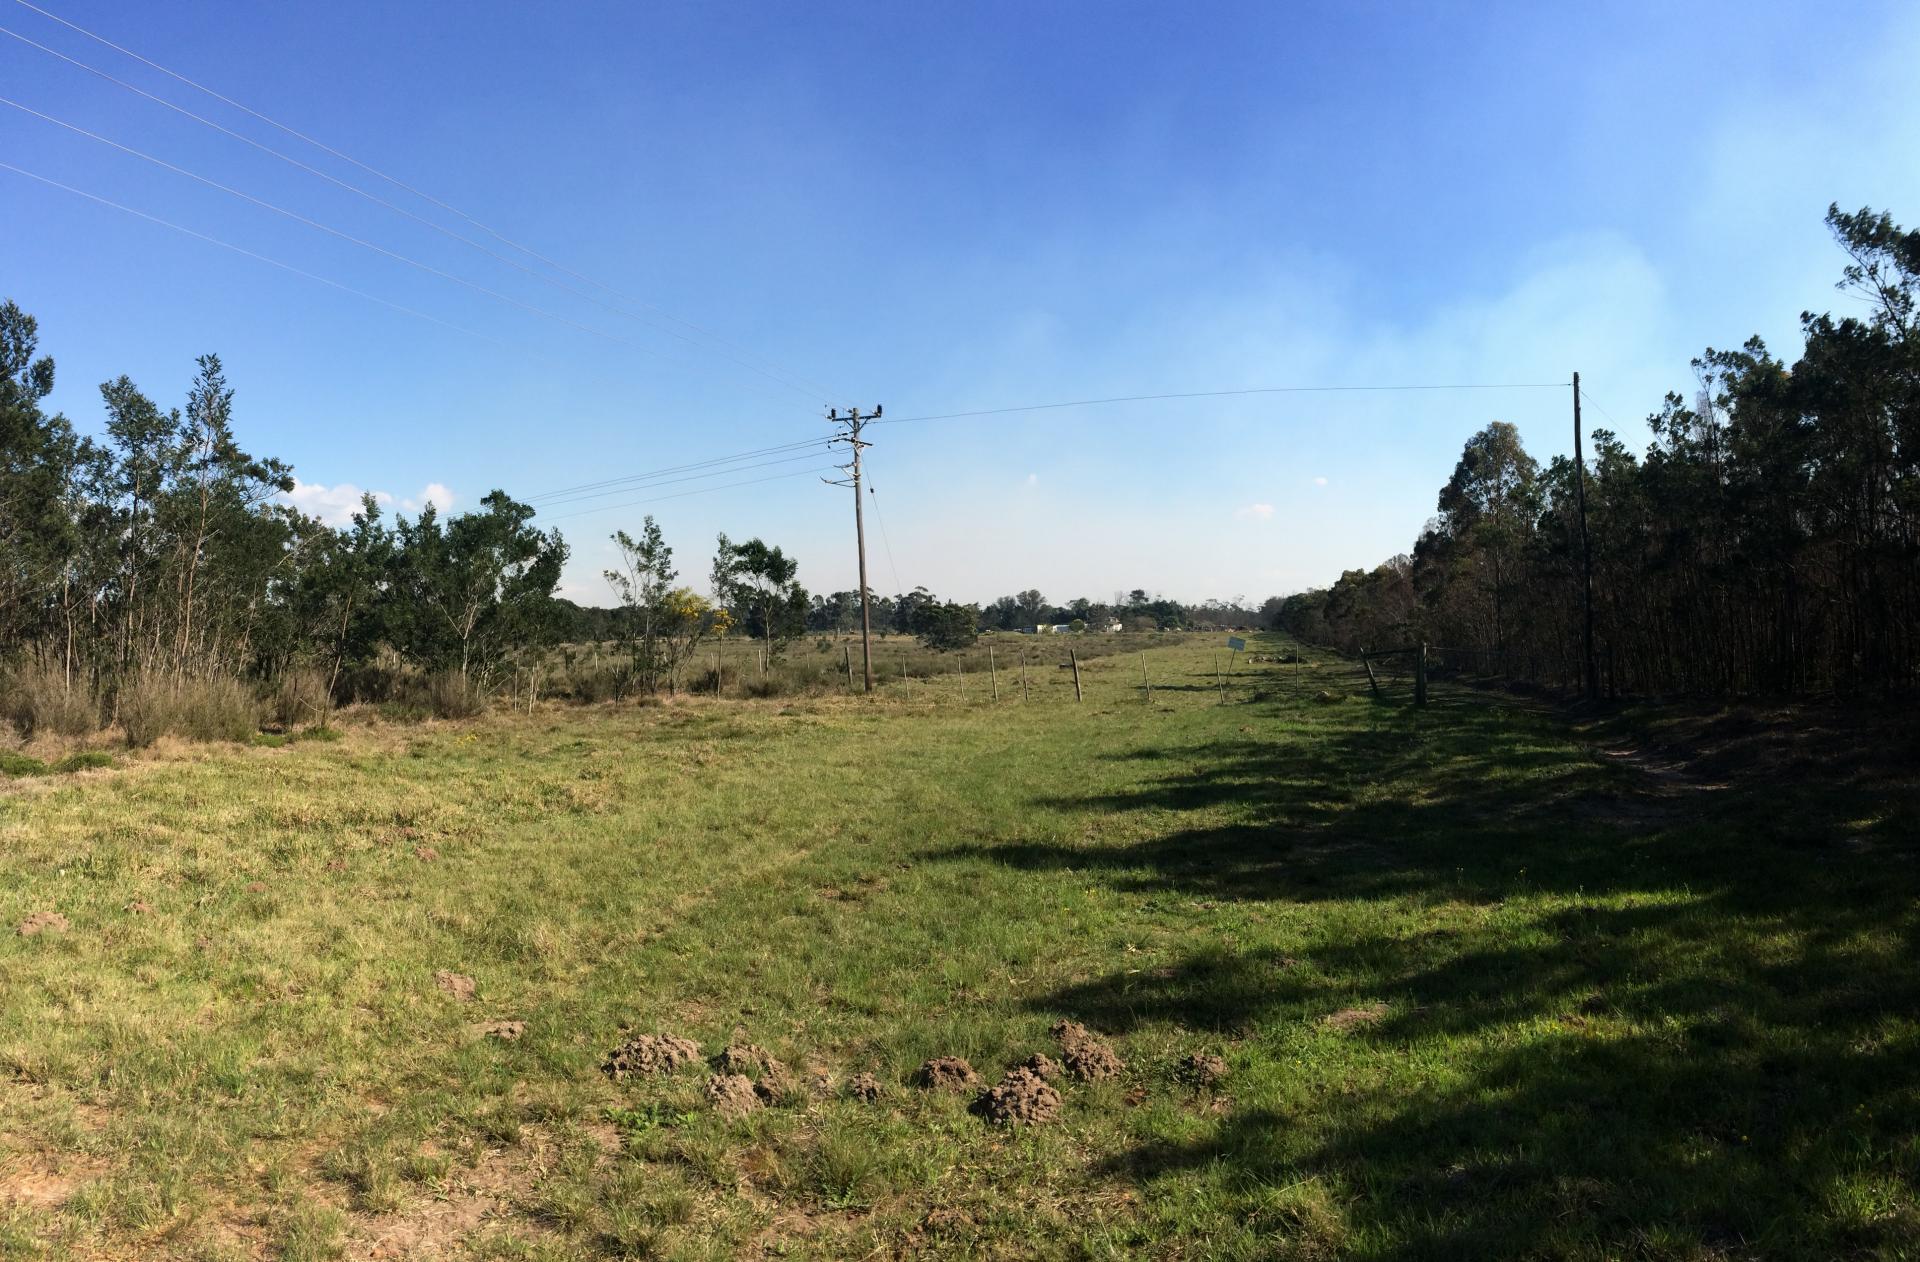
(1488, 982)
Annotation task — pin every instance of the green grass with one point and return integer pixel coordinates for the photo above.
(1479, 994)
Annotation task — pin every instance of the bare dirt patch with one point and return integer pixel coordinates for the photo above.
(864, 1088)
(504, 1030)
(650, 1054)
(946, 1073)
(732, 1095)
(459, 985)
(1355, 1018)
(771, 1079)
(1022, 1097)
(42, 922)
(140, 907)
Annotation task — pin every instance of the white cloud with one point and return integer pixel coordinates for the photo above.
(1033, 479)
(1321, 481)
(335, 505)
(1254, 512)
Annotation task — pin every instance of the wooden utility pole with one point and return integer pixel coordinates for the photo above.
(1586, 550)
(1075, 659)
(850, 426)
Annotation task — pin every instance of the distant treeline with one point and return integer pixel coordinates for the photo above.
(161, 566)
(1768, 541)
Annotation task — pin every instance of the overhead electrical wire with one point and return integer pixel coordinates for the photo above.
(604, 508)
(252, 254)
(652, 322)
(315, 224)
(763, 366)
(622, 482)
(692, 477)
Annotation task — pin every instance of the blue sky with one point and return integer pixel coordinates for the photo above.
(947, 209)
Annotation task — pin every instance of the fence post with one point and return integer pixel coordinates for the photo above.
(1145, 683)
(849, 654)
(1372, 682)
(993, 675)
(1219, 680)
(1023, 672)
(961, 675)
(1420, 676)
(1075, 659)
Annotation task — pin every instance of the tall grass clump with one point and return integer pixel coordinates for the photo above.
(214, 708)
(452, 697)
(298, 696)
(41, 701)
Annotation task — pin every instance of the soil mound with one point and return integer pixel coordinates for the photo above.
(459, 985)
(1201, 1069)
(1022, 1097)
(650, 1054)
(864, 1088)
(1041, 1065)
(505, 1031)
(771, 1079)
(946, 1073)
(732, 1095)
(43, 922)
(1087, 1058)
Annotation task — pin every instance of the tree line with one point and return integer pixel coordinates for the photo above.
(1767, 541)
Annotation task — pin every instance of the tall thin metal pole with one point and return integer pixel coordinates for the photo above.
(1586, 549)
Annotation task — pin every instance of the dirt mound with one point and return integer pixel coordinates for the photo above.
(732, 1095)
(771, 1079)
(945, 1073)
(505, 1031)
(1022, 1097)
(1067, 1033)
(459, 985)
(1352, 1018)
(43, 922)
(1041, 1065)
(1201, 1069)
(1087, 1058)
(140, 907)
(650, 1054)
(864, 1088)
(426, 854)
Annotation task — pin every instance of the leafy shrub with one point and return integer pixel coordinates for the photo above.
(21, 765)
(145, 708)
(86, 761)
(39, 701)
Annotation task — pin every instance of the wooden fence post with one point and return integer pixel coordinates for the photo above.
(849, 654)
(1023, 672)
(1420, 676)
(1075, 659)
(1219, 679)
(960, 675)
(993, 676)
(1372, 681)
(1145, 683)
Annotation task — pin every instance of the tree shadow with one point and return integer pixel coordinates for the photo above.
(1664, 1021)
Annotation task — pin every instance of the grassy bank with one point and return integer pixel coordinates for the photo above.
(1486, 982)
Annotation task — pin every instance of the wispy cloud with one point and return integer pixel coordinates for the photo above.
(1320, 481)
(1254, 512)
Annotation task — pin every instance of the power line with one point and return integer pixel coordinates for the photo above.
(377, 200)
(1222, 394)
(408, 188)
(565, 491)
(607, 508)
(315, 224)
(884, 541)
(816, 449)
(242, 250)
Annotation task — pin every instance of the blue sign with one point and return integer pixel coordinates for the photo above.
(1237, 644)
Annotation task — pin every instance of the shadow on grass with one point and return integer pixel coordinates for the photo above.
(1662, 1021)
